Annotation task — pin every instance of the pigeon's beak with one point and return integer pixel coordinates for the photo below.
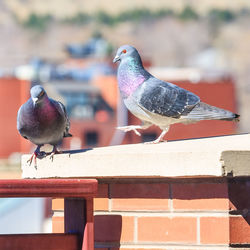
(117, 58)
(35, 99)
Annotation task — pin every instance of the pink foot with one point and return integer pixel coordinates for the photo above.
(54, 151)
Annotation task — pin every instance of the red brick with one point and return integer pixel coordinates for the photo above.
(102, 191)
(140, 196)
(214, 230)
(162, 229)
(101, 204)
(114, 228)
(239, 191)
(240, 230)
(57, 204)
(145, 190)
(57, 224)
(139, 204)
(200, 196)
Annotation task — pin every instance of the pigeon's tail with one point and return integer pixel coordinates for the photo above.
(203, 111)
(236, 118)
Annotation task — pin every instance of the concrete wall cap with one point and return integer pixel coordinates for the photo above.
(214, 156)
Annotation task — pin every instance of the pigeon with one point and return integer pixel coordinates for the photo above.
(156, 102)
(43, 120)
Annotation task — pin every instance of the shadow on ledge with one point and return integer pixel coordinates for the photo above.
(77, 151)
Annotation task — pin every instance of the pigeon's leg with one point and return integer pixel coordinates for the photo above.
(134, 128)
(35, 154)
(160, 138)
(53, 152)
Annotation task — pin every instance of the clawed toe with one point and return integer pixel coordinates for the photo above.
(33, 156)
(129, 128)
(125, 129)
(54, 151)
(30, 160)
(52, 156)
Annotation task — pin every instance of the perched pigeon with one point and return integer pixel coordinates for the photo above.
(42, 121)
(158, 102)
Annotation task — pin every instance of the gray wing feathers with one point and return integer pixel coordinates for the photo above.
(203, 111)
(166, 99)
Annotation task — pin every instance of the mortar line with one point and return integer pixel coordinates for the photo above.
(58, 214)
(170, 198)
(198, 230)
(109, 198)
(152, 245)
(135, 229)
(163, 214)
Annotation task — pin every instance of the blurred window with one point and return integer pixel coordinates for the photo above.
(91, 138)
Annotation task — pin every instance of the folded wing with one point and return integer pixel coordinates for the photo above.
(166, 99)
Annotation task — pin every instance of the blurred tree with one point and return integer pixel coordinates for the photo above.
(164, 12)
(188, 13)
(134, 15)
(38, 22)
(78, 19)
(221, 15)
(104, 18)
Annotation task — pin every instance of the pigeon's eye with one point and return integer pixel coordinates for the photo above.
(124, 51)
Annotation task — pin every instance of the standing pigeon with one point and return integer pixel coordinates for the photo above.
(158, 102)
(42, 120)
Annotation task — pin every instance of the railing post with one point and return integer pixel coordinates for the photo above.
(88, 237)
(78, 218)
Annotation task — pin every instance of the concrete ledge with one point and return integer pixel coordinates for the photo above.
(215, 157)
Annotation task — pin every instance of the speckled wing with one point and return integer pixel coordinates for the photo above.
(61, 108)
(165, 98)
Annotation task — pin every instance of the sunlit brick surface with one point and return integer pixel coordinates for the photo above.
(214, 230)
(200, 196)
(160, 229)
(57, 224)
(162, 213)
(133, 197)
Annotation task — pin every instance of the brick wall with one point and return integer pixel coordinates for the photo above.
(169, 214)
(239, 196)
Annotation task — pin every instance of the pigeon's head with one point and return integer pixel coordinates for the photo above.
(37, 94)
(126, 51)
